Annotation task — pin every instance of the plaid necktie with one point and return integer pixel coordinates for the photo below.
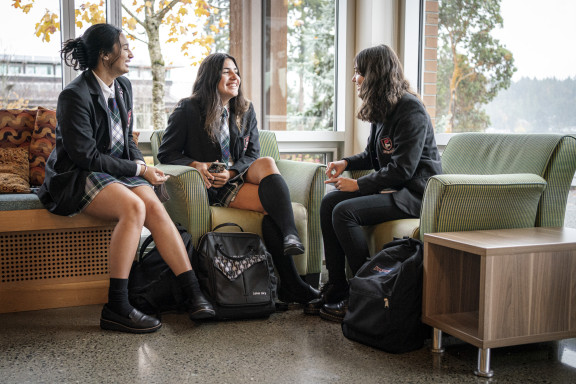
(117, 141)
(225, 137)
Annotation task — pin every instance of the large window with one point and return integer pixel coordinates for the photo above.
(299, 65)
(30, 71)
(501, 66)
(505, 68)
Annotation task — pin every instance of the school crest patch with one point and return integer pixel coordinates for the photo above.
(246, 141)
(387, 145)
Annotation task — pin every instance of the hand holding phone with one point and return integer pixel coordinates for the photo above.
(216, 167)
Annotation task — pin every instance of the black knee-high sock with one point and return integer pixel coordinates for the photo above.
(285, 267)
(118, 297)
(275, 198)
(189, 283)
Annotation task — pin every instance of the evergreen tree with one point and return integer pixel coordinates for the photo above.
(472, 66)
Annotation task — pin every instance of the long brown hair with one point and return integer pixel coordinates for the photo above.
(205, 90)
(384, 83)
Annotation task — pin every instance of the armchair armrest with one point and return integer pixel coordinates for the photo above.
(457, 202)
(188, 204)
(302, 178)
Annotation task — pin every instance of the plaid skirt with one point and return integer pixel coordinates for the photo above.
(96, 181)
(222, 197)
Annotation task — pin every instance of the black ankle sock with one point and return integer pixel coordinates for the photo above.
(289, 278)
(275, 198)
(118, 297)
(189, 283)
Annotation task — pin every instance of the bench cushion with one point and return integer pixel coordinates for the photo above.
(15, 202)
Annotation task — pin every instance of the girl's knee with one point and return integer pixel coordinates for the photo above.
(134, 209)
(267, 163)
(341, 213)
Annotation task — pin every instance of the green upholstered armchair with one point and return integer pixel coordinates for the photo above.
(492, 181)
(188, 204)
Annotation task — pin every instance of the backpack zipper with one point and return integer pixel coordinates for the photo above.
(386, 304)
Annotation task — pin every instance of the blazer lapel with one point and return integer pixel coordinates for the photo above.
(98, 99)
(121, 105)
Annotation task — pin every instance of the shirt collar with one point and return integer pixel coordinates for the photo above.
(107, 92)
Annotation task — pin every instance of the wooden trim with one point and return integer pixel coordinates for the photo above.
(41, 219)
(46, 296)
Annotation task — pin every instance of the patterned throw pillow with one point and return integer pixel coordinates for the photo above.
(42, 143)
(16, 127)
(14, 170)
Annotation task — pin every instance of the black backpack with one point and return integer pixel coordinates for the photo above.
(385, 304)
(152, 286)
(236, 274)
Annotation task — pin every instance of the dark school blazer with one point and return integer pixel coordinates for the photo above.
(403, 153)
(83, 142)
(185, 139)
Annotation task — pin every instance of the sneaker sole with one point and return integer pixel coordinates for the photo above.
(109, 325)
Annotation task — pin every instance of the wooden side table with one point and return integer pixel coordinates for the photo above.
(498, 288)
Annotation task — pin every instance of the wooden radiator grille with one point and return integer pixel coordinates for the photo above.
(50, 255)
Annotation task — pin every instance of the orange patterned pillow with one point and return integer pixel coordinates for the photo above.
(14, 170)
(16, 127)
(42, 144)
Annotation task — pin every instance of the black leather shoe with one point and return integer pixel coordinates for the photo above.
(136, 322)
(300, 298)
(334, 312)
(293, 246)
(199, 308)
(330, 293)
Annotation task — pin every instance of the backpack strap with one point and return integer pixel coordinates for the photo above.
(227, 225)
(144, 246)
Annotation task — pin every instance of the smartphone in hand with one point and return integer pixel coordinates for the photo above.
(216, 167)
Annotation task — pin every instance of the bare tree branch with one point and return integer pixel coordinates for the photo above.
(160, 15)
(133, 15)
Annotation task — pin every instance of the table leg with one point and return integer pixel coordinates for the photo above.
(437, 341)
(483, 369)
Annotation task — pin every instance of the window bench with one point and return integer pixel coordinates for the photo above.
(50, 261)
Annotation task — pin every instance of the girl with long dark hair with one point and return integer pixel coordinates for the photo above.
(217, 123)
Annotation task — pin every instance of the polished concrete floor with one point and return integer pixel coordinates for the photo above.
(67, 346)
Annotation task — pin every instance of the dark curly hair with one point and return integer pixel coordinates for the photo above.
(83, 52)
(205, 90)
(384, 83)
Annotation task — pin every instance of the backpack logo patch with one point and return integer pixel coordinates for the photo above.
(382, 271)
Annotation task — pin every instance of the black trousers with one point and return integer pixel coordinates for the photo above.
(342, 215)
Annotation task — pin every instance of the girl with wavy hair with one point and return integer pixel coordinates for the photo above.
(402, 153)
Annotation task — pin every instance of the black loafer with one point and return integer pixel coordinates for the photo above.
(334, 312)
(199, 308)
(313, 307)
(136, 322)
(302, 298)
(293, 246)
(330, 293)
